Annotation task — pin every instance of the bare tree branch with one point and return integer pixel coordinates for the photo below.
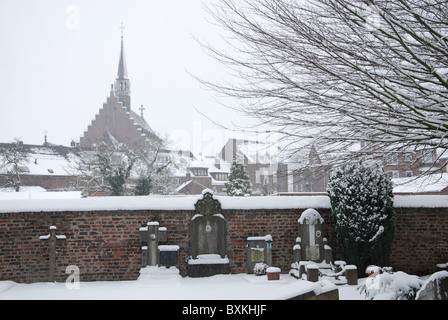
(331, 73)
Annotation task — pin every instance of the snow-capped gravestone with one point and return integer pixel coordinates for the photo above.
(310, 244)
(52, 238)
(154, 254)
(149, 237)
(208, 245)
(435, 287)
(259, 250)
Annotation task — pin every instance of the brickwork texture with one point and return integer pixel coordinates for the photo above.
(105, 245)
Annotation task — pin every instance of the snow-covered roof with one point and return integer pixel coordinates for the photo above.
(36, 192)
(208, 163)
(43, 160)
(433, 183)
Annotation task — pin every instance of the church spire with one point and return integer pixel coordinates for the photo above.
(122, 83)
(122, 70)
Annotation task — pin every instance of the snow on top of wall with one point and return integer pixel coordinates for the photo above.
(160, 203)
(187, 203)
(421, 201)
(274, 202)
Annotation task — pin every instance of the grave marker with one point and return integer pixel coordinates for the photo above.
(52, 240)
(149, 236)
(259, 250)
(208, 244)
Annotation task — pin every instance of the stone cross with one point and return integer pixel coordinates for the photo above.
(149, 236)
(122, 28)
(142, 108)
(51, 238)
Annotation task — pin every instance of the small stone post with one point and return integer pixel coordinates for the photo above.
(312, 272)
(52, 237)
(351, 274)
(153, 243)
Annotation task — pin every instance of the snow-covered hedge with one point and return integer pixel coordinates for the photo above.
(362, 213)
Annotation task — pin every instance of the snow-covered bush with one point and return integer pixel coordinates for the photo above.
(391, 286)
(260, 268)
(362, 213)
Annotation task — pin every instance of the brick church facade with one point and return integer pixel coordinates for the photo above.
(115, 120)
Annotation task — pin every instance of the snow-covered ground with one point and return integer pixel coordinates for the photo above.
(166, 284)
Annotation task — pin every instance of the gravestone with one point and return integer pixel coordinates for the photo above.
(149, 237)
(208, 244)
(168, 255)
(435, 287)
(311, 244)
(258, 250)
(162, 234)
(52, 240)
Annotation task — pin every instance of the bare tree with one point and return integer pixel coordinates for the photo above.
(105, 169)
(13, 158)
(332, 73)
(154, 167)
(116, 168)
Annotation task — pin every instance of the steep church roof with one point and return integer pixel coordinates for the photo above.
(116, 118)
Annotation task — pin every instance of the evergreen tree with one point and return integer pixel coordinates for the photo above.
(116, 177)
(143, 186)
(362, 214)
(239, 183)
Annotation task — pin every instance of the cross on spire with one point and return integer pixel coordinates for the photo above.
(122, 28)
(45, 137)
(142, 108)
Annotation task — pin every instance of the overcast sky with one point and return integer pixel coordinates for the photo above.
(58, 59)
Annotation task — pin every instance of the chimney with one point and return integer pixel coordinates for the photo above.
(217, 163)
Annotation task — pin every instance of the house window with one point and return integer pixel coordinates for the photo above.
(200, 172)
(392, 159)
(408, 157)
(393, 174)
(221, 176)
(408, 174)
(427, 157)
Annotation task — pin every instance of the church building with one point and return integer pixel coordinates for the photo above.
(116, 121)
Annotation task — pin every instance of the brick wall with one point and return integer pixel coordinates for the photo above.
(421, 239)
(105, 245)
(280, 224)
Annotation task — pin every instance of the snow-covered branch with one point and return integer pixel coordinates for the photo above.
(332, 72)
